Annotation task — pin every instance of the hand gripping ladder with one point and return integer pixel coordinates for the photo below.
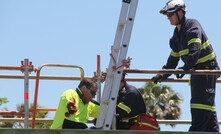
(116, 64)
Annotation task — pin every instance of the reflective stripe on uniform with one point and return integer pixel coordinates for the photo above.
(174, 54)
(205, 44)
(194, 40)
(147, 124)
(124, 107)
(197, 40)
(206, 58)
(203, 107)
(134, 118)
(184, 52)
(180, 53)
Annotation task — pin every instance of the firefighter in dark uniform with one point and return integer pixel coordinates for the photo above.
(190, 43)
(130, 104)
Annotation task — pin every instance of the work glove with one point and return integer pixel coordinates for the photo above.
(179, 76)
(158, 78)
(71, 106)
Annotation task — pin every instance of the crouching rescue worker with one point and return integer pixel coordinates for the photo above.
(130, 105)
(76, 106)
(190, 43)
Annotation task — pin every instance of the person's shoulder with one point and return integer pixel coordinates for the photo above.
(131, 87)
(191, 21)
(95, 102)
(69, 91)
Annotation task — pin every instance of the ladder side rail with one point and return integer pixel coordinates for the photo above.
(119, 71)
(112, 63)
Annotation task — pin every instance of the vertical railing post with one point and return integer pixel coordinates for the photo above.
(26, 68)
(98, 78)
(26, 92)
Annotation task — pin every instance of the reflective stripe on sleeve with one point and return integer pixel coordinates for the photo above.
(205, 44)
(194, 40)
(124, 107)
(206, 58)
(174, 54)
(203, 107)
(184, 52)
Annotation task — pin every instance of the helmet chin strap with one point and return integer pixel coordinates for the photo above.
(179, 20)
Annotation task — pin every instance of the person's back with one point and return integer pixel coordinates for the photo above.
(130, 104)
(76, 106)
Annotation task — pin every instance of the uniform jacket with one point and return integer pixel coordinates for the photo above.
(130, 102)
(191, 45)
(84, 111)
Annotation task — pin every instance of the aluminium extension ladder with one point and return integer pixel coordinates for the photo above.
(116, 64)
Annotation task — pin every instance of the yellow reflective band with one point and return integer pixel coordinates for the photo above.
(206, 58)
(184, 52)
(124, 107)
(127, 119)
(147, 124)
(205, 44)
(194, 40)
(174, 54)
(204, 107)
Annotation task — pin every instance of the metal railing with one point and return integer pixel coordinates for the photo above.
(135, 79)
(27, 68)
(37, 84)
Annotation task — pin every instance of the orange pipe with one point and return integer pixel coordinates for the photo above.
(37, 84)
(35, 98)
(8, 113)
(43, 109)
(21, 113)
(10, 67)
(99, 78)
(98, 65)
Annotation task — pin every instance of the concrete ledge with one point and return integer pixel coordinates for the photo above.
(55, 131)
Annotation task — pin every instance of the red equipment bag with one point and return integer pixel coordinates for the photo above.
(145, 122)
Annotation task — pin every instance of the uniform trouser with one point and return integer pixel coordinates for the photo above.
(67, 124)
(203, 112)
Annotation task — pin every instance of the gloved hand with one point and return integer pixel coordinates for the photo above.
(179, 76)
(71, 106)
(158, 78)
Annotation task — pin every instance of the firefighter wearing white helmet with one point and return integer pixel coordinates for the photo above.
(173, 6)
(191, 44)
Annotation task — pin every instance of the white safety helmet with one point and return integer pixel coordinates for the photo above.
(173, 6)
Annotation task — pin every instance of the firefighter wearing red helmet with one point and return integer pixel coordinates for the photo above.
(190, 44)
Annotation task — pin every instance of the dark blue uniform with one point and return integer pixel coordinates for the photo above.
(193, 47)
(130, 103)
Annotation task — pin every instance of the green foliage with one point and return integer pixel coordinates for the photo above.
(20, 107)
(5, 124)
(3, 100)
(39, 114)
(161, 101)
